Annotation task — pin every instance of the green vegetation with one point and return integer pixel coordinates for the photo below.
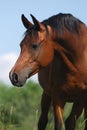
(20, 108)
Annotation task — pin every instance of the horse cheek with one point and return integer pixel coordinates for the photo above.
(46, 56)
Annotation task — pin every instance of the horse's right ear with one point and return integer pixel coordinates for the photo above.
(25, 22)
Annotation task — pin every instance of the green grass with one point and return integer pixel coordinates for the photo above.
(20, 108)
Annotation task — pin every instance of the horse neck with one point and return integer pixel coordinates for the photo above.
(67, 46)
(64, 39)
(70, 41)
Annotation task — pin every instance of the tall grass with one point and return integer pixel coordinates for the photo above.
(20, 108)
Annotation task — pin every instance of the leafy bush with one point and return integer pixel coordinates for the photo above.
(18, 104)
(20, 108)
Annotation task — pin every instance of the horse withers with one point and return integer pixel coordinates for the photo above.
(55, 49)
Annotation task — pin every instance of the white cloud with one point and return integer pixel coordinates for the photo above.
(6, 63)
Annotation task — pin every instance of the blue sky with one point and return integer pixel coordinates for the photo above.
(12, 30)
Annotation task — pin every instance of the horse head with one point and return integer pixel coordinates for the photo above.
(36, 51)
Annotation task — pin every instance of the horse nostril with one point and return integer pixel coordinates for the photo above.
(15, 77)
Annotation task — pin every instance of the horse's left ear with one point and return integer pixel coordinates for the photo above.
(38, 25)
(25, 22)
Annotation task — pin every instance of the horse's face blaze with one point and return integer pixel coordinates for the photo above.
(36, 52)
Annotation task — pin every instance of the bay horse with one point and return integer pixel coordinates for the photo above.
(56, 49)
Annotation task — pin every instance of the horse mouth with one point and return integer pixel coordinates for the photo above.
(20, 80)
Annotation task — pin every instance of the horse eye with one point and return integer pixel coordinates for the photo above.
(34, 46)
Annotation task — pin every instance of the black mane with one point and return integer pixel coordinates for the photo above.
(61, 21)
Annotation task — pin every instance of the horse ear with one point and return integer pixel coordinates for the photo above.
(38, 25)
(25, 22)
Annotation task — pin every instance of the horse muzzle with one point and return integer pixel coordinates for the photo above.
(19, 78)
(16, 80)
